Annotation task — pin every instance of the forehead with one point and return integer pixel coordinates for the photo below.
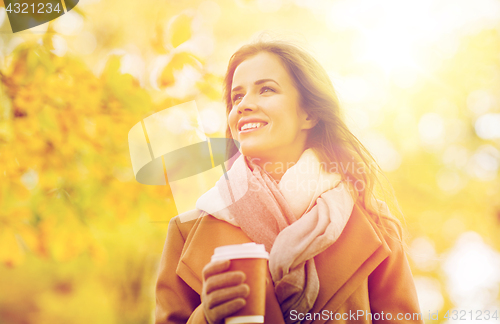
(263, 65)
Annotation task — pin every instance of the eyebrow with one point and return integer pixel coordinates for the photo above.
(256, 83)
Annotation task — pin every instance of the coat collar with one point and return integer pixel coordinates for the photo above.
(343, 266)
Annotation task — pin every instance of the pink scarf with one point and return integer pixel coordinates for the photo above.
(296, 219)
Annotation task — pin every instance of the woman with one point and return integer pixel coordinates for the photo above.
(303, 186)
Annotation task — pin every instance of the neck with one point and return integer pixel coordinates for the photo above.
(277, 166)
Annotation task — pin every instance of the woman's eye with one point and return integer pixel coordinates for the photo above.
(266, 89)
(237, 97)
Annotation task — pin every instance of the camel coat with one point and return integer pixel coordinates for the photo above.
(363, 273)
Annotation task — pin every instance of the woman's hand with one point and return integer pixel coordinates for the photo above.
(223, 292)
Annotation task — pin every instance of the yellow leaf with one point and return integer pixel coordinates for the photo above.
(210, 86)
(10, 253)
(179, 29)
(177, 62)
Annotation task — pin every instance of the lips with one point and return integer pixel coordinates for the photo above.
(250, 126)
(250, 130)
(250, 123)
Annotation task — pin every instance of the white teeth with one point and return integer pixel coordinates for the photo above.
(251, 125)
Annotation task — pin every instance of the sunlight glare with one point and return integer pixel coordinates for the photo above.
(473, 271)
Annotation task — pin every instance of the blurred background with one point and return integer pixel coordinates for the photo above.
(80, 238)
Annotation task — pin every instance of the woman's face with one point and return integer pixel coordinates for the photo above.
(266, 117)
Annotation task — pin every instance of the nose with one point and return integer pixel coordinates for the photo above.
(247, 104)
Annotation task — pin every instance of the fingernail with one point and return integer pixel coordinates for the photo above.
(247, 289)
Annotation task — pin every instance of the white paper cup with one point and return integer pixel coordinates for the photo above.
(251, 258)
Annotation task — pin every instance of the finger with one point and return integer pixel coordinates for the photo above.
(224, 280)
(215, 267)
(224, 310)
(221, 296)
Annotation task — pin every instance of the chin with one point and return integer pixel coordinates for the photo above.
(251, 151)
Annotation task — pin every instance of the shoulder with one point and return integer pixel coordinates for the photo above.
(182, 224)
(395, 265)
(391, 233)
(390, 227)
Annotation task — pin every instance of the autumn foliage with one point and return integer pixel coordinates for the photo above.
(80, 238)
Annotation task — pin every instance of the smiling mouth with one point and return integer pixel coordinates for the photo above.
(248, 127)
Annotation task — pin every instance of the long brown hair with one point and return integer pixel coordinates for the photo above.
(331, 138)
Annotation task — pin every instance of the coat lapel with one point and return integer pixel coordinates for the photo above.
(346, 263)
(206, 234)
(341, 268)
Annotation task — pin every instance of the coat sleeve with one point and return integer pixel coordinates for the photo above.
(176, 302)
(391, 286)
